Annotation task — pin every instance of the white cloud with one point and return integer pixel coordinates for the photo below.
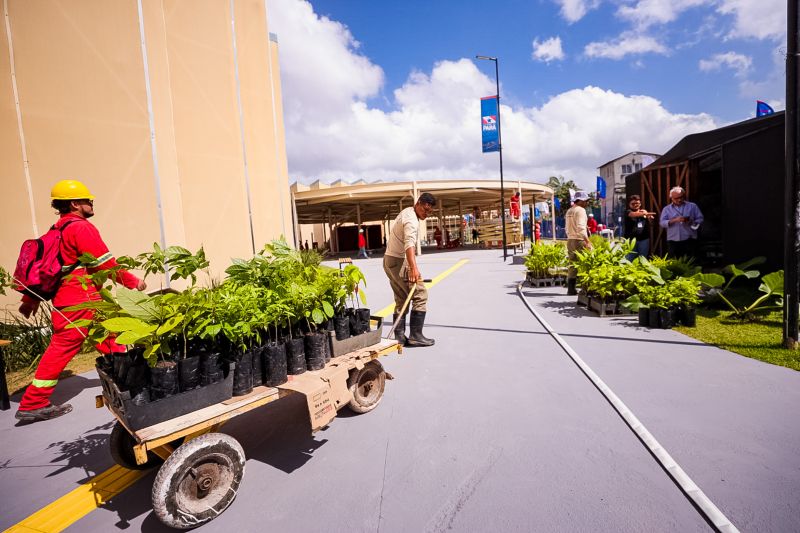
(645, 13)
(760, 19)
(548, 50)
(574, 10)
(628, 43)
(432, 130)
(739, 63)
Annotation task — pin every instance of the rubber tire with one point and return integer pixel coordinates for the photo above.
(121, 444)
(371, 375)
(171, 503)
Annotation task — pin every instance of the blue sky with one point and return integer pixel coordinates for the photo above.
(389, 90)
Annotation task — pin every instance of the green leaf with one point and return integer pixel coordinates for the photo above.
(213, 330)
(317, 316)
(137, 304)
(772, 283)
(327, 309)
(82, 323)
(169, 325)
(362, 297)
(710, 280)
(129, 337)
(124, 323)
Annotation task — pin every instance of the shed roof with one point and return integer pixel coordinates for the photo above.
(376, 201)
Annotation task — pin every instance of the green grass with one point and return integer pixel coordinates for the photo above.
(758, 339)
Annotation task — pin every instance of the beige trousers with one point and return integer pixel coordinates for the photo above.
(573, 245)
(401, 287)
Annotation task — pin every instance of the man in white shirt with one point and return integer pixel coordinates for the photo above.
(400, 265)
(577, 236)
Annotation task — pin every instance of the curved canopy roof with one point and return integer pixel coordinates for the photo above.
(342, 202)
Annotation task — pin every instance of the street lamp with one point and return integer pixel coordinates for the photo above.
(500, 149)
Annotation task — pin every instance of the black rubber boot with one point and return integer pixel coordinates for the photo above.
(400, 330)
(571, 287)
(416, 338)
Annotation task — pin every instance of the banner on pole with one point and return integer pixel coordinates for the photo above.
(763, 108)
(601, 187)
(489, 124)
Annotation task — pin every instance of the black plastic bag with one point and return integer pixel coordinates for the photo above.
(210, 368)
(362, 315)
(341, 326)
(315, 350)
(189, 373)
(275, 363)
(258, 365)
(295, 356)
(163, 380)
(243, 373)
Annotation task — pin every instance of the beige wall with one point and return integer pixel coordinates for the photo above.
(84, 115)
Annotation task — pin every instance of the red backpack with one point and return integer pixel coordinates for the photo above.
(40, 266)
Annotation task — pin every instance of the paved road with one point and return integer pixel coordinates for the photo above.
(494, 428)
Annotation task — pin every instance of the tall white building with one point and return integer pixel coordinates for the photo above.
(614, 173)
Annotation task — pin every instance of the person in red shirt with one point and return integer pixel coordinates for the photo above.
(362, 245)
(591, 224)
(515, 205)
(75, 204)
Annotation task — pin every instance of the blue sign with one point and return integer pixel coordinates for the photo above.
(763, 108)
(601, 187)
(490, 124)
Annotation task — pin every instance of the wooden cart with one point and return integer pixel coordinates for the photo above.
(202, 469)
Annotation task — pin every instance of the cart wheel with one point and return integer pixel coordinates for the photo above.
(198, 481)
(121, 443)
(366, 386)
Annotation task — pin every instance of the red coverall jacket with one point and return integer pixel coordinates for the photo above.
(78, 238)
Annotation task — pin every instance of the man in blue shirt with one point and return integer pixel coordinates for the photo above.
(681, 220)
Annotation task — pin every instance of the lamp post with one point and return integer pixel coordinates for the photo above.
(500, 149)
(791, 245)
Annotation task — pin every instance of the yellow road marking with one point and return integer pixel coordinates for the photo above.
(76, 504)
(386, 311)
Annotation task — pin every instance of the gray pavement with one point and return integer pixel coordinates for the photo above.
(494, 428)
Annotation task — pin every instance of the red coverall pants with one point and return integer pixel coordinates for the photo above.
(64, 345)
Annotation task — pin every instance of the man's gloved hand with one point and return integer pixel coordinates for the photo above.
(141, 286)
(29, 307)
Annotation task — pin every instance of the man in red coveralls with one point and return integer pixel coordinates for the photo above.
(515, 206)
(75, 204)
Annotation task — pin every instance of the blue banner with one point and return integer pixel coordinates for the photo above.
(490, 125)
(601, 187)
(557, 203)
(763, 108)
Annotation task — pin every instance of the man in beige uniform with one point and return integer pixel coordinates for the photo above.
(400, 264)
(577, 236)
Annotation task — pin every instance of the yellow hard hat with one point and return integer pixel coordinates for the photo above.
(70, 190)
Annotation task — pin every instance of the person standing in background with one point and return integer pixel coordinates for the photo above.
(637, 226)
(577, 237)
(681, 219)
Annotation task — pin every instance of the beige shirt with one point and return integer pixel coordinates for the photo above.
(576, 223)
(403, 234)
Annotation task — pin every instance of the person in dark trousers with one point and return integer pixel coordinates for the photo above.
(400, 265)
(681, 219)
(75, 205)
(637, 226)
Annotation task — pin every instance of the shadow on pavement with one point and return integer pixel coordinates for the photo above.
(88, 452)
(284, 439)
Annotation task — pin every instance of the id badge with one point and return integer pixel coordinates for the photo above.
(640, 225)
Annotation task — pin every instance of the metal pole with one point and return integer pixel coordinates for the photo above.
(500, 146)
(791, 246)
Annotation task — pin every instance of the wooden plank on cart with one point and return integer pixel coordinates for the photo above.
(170, 430)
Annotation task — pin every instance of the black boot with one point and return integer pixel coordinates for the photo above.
(400, 330)
(571, 286)
(416, 338)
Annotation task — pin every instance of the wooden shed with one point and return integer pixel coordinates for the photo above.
(735, 174)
